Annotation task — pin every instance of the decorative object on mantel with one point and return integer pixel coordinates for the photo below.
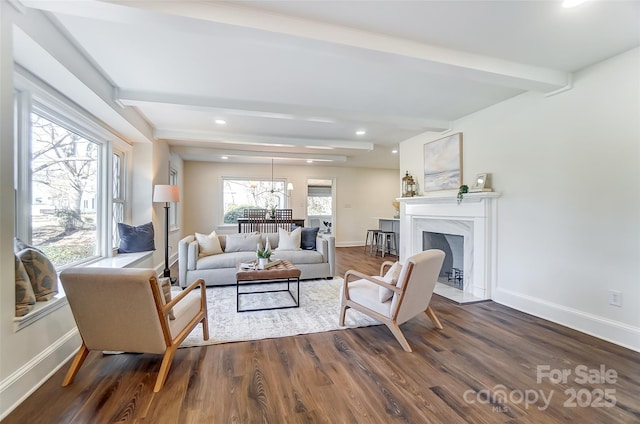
(396, 206)
(443, 163)
(461, 191)
(408, 185)
(481, 184)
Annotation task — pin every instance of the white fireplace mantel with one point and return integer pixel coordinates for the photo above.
(474, 218)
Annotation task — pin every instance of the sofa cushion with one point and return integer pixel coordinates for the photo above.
(308, 239)
(42, 273)
(208, 244)
(242, 242)
(226, 260)
(25, 298)
(300, 256)
(289, 240)
(136, 239)
(273, 240)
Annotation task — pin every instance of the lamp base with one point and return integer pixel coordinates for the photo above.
(167, 274)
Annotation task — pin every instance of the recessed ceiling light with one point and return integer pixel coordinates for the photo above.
(309, 161)
(224, 157)
(361, 132)
(572, 3)
(394, 151)
(220, 121)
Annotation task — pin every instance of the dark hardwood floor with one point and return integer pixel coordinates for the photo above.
(481, 368)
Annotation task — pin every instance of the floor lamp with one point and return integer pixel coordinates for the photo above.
(166, 194)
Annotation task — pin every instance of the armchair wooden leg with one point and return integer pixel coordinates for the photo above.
(78, 360)
(164, 368)
(434, 319)
(399, 336)
(205, 327)
(343, 313)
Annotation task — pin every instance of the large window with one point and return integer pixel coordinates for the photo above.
(240, 194)
(64, 183)
(69, 179)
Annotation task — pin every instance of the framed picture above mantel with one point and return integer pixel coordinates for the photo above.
(443, 163)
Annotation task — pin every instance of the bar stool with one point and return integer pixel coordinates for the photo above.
(371, 240)
(386, 242)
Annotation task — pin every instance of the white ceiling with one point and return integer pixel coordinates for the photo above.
(295, 80)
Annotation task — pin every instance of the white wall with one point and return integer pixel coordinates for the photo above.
(361, 195)
(29, 356)
(568, 167)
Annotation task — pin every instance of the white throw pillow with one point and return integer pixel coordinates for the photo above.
(390, 277)
(289, 240)
(243, 242)
(208, 244)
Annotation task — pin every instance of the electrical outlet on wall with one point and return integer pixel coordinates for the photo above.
(615, 297)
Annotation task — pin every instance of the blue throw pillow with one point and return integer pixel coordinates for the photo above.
(308, 239)
(136, 239)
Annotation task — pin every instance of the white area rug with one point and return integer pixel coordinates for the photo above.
(319, 311)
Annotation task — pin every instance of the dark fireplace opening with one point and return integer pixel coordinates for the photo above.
(452, 245)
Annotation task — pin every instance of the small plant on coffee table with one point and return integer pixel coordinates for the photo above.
(264, 252)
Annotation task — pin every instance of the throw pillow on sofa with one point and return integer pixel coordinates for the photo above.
(308, 239)
(242, 242)
(25, 298)
(289, 240)
(208, 244)
(42, 273)
(136, 239)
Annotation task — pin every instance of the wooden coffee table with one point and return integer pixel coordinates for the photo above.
(283, 272)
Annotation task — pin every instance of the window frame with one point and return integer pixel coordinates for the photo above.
(223, 179)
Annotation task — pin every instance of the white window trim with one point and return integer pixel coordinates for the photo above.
(222, 224)
(33, 94)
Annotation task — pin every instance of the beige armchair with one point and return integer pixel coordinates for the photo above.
(408, 298)
(124, 310)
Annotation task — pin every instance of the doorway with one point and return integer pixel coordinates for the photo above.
(320, 204)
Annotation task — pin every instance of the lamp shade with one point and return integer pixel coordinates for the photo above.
(289, 186)
(166, 193)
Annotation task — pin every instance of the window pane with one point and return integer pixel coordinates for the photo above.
(118, 202)
(241, 194)
(318, 205)
(64, 188)
(116, 176)
(118, 216)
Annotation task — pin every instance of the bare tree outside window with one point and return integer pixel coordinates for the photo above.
(64, 169)
(240, 194)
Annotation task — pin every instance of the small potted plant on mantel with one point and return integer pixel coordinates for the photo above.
(461, 192)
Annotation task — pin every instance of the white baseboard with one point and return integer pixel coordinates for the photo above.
(358, 243)
(612, 331)
(28, 378)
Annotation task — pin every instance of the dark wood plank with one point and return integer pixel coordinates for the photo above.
(354, 376)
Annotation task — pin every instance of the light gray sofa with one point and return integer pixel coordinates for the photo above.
(217, 270)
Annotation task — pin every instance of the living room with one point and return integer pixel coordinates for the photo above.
(563, 158)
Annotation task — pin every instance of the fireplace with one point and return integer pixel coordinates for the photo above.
(466, 232)
(452, 271)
